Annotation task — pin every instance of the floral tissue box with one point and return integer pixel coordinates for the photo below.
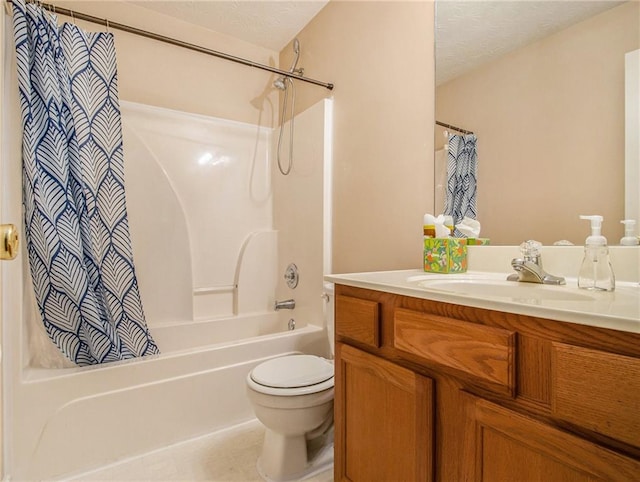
(445, 255)
(478, 241)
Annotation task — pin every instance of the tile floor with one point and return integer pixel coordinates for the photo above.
(226, 456)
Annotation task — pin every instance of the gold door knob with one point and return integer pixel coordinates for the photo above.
(8, 241)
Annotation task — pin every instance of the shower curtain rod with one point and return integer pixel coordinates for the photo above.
(453, 128)
(178, 43)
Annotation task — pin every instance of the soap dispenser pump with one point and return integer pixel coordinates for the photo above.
(629, 238)
(596, 272)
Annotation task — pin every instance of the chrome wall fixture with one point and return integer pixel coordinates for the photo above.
(292, 276)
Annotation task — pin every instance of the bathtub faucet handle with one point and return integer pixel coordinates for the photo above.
(285, 305)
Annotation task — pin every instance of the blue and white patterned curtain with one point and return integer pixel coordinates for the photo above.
(462, 167)
(73, 190)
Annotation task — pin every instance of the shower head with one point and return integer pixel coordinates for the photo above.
(296, 51)
(280, 83)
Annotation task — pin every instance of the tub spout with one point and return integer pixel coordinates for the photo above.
(285, 305)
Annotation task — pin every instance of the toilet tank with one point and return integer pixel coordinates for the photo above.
(329, 315)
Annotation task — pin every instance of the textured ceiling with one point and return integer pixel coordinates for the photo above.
(470, 33)
(270, 24)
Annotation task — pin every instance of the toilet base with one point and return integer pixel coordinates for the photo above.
(295, 466)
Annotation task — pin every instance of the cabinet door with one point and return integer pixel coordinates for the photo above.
(384, 420)
(503, 445)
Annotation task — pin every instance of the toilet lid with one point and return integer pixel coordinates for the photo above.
(293, 371)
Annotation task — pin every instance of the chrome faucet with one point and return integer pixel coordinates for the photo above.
(285, 305)
(529, 267)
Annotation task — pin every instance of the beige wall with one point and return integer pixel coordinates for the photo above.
(379, 55)
(163, 75)
(549, 150)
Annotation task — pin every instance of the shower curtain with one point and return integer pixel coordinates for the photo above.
(462, 165)
(77, 233)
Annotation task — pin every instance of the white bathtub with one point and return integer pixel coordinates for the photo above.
(76, 419)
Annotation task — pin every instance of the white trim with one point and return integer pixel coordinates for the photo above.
(632, 140)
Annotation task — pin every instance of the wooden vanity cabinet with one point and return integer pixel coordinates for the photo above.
(385, 413)
(434, 391)
(504, 445)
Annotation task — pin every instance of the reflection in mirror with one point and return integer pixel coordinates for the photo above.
(542, 86)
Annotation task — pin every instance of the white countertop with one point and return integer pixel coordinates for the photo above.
(617, 310)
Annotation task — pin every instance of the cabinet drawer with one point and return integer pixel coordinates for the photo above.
(597, 390)
(486, 353)
(358, 320)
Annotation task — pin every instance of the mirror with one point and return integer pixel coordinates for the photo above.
(542, 86)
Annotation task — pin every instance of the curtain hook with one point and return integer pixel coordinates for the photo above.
(107, 23)
(73, 20)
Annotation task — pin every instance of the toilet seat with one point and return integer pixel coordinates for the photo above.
(292, 375)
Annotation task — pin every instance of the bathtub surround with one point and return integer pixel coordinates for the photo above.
(74, 201)
(210, 180)
(232, 223)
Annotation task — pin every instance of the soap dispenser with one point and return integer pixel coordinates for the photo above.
(596, 272)
(629, 238)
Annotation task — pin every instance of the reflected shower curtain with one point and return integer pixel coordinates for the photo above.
(462, 166)
(73, 190)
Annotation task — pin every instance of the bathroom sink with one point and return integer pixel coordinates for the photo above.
(527, 292)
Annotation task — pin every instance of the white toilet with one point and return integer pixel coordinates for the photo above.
(293, 398)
